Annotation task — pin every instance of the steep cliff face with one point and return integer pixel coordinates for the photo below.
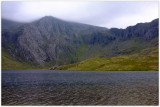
(53, 40)
(145, 31)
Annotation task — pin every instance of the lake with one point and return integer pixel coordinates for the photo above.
(58, 87)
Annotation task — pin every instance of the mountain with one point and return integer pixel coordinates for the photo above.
(59, 42)
(51, 39)
(145, 31)
(7, 24)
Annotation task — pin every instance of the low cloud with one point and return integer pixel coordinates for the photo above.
(100, 13)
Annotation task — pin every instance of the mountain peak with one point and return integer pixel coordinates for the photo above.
(47, 17)
(50, 18)
(52, 39)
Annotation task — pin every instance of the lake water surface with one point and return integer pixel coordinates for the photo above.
(54, 87)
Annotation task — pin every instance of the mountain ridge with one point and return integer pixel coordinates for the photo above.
(51, 39)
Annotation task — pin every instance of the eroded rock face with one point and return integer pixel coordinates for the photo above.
(146, 31)
(48, 39)
(52, 39)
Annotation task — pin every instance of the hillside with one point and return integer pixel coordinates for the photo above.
(146, 60)
(52, 41)
(9, 62)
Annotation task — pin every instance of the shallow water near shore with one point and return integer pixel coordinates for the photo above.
(55, 87)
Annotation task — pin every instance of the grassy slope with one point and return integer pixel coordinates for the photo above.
(146, 60)
(8, 62)
(116, 48)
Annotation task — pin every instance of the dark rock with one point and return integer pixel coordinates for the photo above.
(51, 39)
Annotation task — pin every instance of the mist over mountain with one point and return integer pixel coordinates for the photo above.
(60, 42)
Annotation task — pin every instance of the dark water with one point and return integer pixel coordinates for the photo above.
(50, 87)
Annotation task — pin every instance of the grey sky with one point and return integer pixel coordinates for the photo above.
(108, 14)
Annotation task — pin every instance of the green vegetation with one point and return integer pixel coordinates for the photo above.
(9, 62)
(146, 60)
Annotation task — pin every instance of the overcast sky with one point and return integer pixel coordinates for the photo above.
(108, 14)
